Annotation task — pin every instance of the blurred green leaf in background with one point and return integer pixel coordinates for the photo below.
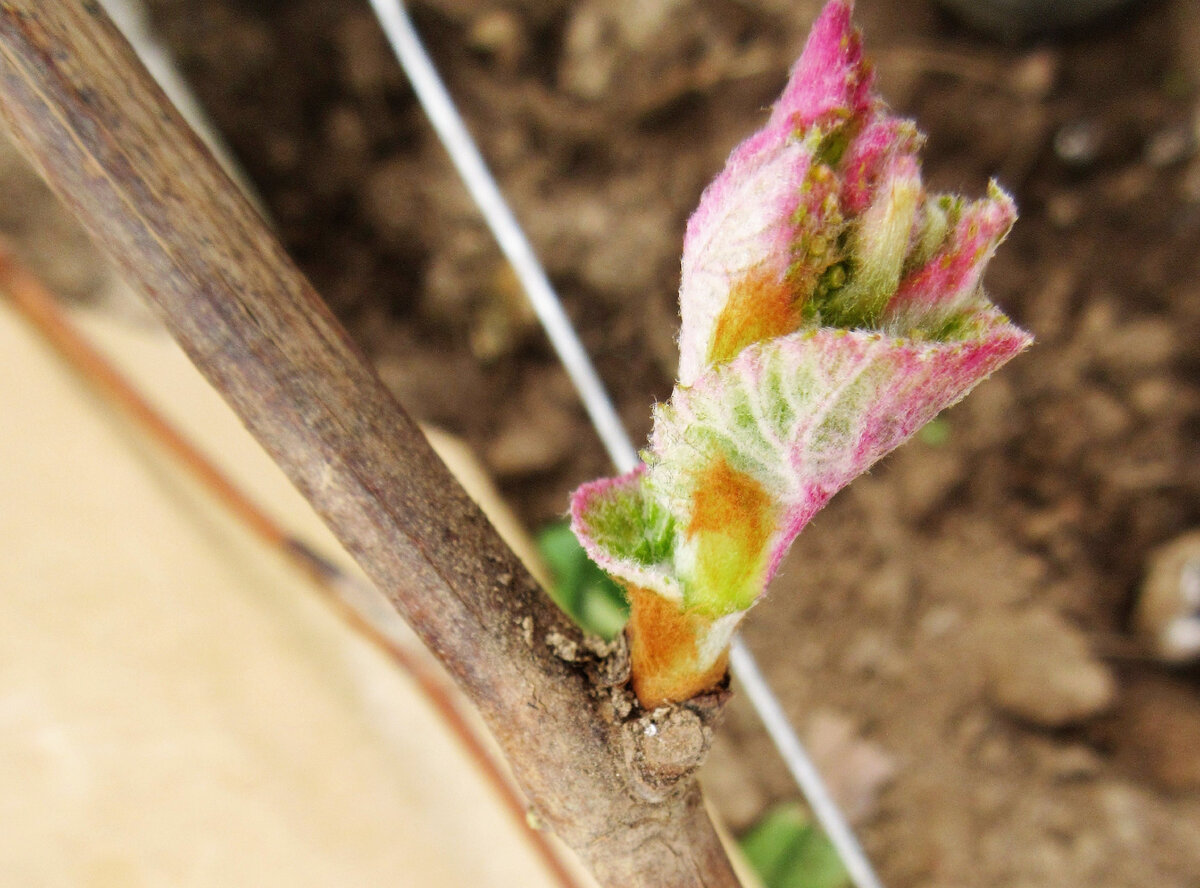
(788, 851)
(936, 432)
(581, 588)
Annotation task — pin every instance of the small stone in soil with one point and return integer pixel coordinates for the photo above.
(1168, 604)
(1040, 670)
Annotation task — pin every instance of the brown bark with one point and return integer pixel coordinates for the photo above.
(615, 782)
(40, 307)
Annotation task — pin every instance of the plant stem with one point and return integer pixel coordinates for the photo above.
(339, 589)
(121, 158)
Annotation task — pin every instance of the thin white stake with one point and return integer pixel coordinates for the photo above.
(805, 773)
(435, 99)
(464, 153)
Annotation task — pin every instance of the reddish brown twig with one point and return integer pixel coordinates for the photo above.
(39, 306)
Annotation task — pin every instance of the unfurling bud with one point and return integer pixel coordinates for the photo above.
(830, 308)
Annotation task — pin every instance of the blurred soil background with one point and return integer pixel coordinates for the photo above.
(956, 634)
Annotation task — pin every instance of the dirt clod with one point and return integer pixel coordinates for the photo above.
(1040, 670)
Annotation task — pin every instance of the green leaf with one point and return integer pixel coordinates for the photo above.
(581, 588)
(788, 851)
(935, 433)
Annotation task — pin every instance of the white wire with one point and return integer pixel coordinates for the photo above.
(805, 773)
(452, 131)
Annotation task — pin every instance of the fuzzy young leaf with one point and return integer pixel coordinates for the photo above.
(830, 308)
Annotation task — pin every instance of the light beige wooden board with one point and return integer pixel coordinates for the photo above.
(176, 707)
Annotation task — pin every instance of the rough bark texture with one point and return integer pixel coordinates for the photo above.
(614, 781)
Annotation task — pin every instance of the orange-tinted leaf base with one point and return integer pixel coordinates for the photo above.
(663, 644)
